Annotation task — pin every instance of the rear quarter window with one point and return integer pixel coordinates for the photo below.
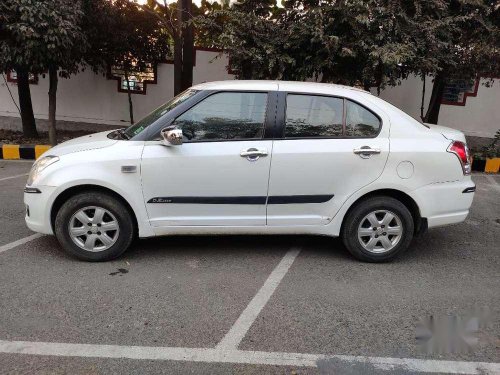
(360, 122)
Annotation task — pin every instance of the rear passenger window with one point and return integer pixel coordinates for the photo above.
(360, 122)
(313, 116)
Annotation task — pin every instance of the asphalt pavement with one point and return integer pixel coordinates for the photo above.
(298, 303)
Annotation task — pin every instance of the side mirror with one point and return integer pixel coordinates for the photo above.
(172, 136)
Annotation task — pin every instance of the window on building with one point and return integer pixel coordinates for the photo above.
(456, 91)
(137, 79)
(12, 77)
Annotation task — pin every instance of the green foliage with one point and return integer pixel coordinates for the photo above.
(250, 34)
(356, 42)
(458, 38)
(37, 34)
(122, 34)
(493, 149)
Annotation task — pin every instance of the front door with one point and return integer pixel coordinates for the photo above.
(322, 159)
(220, 174)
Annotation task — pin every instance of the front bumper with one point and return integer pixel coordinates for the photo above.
(37, 205)
(445, 203)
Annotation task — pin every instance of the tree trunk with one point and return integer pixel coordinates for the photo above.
(423, 97)
(187, 45)
(52, 105)
(178, 51)
(27, 116)
(246, 70)
(129, 94)
(432, 114)
(177, 65)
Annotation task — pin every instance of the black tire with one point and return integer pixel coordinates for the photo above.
(122, 215)
(353, 220)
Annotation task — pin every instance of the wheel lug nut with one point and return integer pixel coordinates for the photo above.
(382, 226)
(89, 232)
(99, 233)
(374, 228)
(385, 233)
(376, 236)
(98, 225)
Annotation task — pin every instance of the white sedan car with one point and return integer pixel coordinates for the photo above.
(255, 157)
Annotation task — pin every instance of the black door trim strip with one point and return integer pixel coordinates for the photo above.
(293, 199)
(210, 200)
(276, 199)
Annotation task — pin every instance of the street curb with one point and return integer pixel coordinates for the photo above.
(488, 165)
(26, 152)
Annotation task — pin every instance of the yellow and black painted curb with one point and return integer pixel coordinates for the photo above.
(28, 152)
(489, 165)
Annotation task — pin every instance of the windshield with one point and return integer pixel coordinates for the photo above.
(141, 125)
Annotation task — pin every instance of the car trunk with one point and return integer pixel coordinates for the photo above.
(449, 133)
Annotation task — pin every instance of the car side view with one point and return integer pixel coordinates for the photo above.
(255, 157)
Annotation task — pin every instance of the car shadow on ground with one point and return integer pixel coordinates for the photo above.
(234, 244)
(425, 246)
(158, 247)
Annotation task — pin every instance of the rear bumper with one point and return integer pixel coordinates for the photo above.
(445, 203)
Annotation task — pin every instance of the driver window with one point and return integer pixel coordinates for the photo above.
(225, 116)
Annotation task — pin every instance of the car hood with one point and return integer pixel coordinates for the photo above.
(87, 142)
(450, 133)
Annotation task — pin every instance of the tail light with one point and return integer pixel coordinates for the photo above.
(460, 149)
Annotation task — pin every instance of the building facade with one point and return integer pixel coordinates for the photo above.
(88, 98)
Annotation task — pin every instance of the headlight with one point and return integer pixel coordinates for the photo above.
(39, 166)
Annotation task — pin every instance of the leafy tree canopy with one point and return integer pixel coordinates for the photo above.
(356, 42)
(37, 34)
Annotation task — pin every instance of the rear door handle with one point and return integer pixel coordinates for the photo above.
(253, 154)
(366, 151)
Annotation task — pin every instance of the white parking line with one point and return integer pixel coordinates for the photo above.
(20, 242)
(242, 357)
(11, 177)
(239, 329)
(226, 351)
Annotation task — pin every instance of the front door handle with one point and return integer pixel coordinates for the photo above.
(253, 154)
(366, 151)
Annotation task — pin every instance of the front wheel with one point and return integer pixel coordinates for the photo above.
(377, 229)
(94, 226)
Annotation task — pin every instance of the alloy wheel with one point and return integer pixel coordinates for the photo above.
(94, 228)
(380, 231)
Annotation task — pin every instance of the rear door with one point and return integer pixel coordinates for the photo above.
(330, 147)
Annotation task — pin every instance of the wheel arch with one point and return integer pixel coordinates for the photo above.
(73, 190)
(420, 223)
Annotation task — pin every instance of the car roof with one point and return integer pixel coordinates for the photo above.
(309, 87)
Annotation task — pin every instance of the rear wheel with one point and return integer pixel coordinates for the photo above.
(94, 226)
(377, 229)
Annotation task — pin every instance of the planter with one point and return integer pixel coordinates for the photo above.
(492, 165)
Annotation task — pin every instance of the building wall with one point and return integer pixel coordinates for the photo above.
(480, 116)
(91, 98)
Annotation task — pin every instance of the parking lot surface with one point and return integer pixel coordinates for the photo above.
(240, 304)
